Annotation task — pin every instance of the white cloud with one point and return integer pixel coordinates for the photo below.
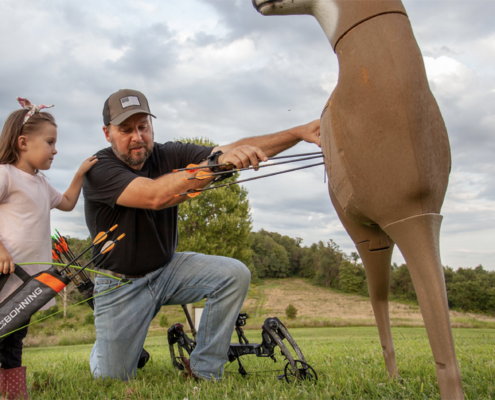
(447, 76)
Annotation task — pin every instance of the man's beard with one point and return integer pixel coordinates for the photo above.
(128, 158)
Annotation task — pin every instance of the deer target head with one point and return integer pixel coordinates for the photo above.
(327, 12)
(284, 7)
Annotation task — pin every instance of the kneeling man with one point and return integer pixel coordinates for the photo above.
(132, 185)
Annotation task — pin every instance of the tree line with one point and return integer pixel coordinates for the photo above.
(272, 255)
(277, 256)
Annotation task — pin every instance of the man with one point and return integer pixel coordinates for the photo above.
(132, 186)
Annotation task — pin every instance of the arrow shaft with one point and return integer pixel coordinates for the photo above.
(249, 179)
(227, 164)
(229, 171)
(296, 155)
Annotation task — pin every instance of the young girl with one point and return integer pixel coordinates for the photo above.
(27, 146)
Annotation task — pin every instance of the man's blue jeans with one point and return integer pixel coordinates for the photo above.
(123, 315)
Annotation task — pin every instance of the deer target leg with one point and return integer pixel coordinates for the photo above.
(375, 248)
(377, 267)
(418, 239)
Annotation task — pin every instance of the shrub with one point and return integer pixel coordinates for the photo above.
(89, 318)
(163, 321)
(291, 312)
(65, 325)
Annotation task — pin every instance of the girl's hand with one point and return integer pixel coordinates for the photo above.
(6, 263)
(87, 165)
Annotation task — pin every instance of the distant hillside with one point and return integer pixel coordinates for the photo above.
(320, 306)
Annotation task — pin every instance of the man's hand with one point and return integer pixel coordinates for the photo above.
(6, 263)
(310, 132)
(243, 156)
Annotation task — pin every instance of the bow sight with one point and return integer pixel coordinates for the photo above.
(274, 333)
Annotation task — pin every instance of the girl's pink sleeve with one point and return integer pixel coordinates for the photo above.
(54, 195)
(4, 182)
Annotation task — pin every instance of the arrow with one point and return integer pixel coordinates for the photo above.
(62, 248)
(192, 168)
(195, 192)
(98, 239)
(105, 249)
(203, 175)
(55, 256)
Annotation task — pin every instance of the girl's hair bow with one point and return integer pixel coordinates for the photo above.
(33, 108)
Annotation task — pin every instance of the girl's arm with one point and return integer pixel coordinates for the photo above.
(6, 263)
(71, 195)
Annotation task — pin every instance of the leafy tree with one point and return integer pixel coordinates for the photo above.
(322, 262)
(355, 257)
(270, 258)
(401, 285)
(472, 289)
(275, 265)
(292, 246)
(217, 222)
(351, 277)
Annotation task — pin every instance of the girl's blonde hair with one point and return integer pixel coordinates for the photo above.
(13, 128)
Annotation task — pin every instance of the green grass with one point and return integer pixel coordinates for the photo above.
(347, 360)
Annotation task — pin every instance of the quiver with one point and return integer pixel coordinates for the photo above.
(33, 293)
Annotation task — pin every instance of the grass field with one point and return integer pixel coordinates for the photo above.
(348, 362)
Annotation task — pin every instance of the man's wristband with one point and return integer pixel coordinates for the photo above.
(213, 160)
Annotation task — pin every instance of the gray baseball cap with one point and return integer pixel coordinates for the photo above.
(122, 104)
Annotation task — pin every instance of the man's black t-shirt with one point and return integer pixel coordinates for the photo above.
(151, 236)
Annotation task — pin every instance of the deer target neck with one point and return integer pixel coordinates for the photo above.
(336, 17)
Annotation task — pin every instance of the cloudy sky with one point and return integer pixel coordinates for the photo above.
(218, 69)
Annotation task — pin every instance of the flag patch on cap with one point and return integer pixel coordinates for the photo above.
(129, 101)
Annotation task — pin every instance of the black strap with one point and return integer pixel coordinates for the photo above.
(23, 275)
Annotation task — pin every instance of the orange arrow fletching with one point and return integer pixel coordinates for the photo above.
(107, 247)
(63, 243)
(193, 194)
(192, 170)
(100, 238)
(203, 175)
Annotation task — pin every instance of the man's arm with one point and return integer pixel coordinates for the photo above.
(159, 193)
(275, 143)
(156, 194)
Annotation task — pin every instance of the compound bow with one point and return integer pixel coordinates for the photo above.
(273, 334)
